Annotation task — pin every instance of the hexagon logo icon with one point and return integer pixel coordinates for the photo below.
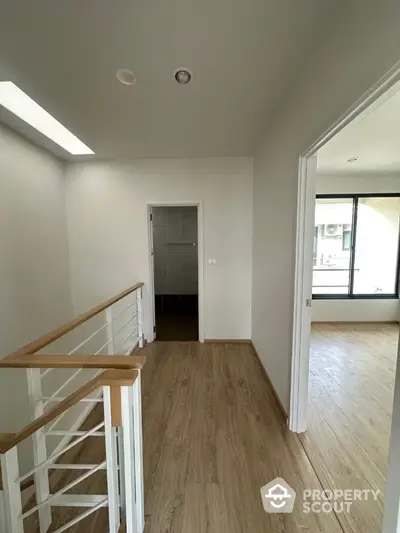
(278, 496)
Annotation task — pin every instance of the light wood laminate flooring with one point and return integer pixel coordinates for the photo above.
(213, 436)
(352, 373)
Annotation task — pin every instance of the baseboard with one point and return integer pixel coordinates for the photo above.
(227, 341)
(280, 406)
(355, 322)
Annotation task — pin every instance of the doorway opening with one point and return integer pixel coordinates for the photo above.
(346, 313)
(175, 255)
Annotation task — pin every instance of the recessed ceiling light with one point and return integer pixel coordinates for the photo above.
(183, 76)
(352, 159)
(126, 76)
(19, 103)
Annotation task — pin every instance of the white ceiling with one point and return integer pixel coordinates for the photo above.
(244, 54)
(373, 137)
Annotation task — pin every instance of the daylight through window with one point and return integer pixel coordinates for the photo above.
(356, 246)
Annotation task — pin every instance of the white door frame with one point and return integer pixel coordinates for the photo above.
(200, 259)
(304, 250)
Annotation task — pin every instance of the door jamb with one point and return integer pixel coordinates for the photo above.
(303, 294)
(304, 235)
(200, 260)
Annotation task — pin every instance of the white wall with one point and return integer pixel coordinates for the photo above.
(356, 310)
(34, 261)
(362, 182)
(108, 228)
(360, 49)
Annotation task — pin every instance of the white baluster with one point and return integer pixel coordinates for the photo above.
(39, 448)
(3, 525)
(121, 471)
(110, 331)
(129, 459)
(138, 440)
(12, 492)
(112, 465)
(139, 297)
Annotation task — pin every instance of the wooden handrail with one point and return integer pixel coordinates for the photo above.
(121, 362)
(54, 335)
(112, 378)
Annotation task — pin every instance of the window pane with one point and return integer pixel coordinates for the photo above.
(375, 261)
(332, 240)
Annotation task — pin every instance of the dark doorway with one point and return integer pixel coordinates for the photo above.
(175, 243)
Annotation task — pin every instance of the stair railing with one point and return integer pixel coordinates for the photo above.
(113, 327)
(123, 462)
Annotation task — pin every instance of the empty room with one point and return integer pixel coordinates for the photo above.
(355, 307)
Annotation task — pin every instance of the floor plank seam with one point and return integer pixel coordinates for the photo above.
(320, 481)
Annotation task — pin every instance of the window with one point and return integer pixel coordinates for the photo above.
(346, 242)
(333, 217)
(356, 246)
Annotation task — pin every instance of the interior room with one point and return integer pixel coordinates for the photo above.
(152, 157)
(355, 307)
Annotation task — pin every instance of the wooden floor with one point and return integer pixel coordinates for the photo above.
(352, 371)
(213, 436)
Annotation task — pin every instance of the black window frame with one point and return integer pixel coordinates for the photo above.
(350, 295)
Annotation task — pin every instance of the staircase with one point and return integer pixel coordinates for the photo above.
(73, 373)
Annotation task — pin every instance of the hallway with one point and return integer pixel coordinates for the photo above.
(213, 436)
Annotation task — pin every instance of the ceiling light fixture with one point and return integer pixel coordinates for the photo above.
(183, 76)
(19, 103)
(126, 76)
(352, 159)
